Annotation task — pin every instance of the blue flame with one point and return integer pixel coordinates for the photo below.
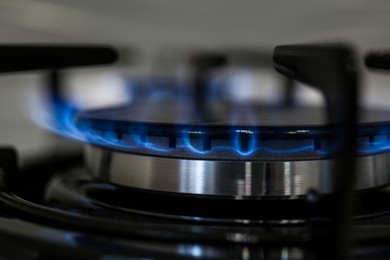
(244, 142)
(381, 144)
(238, 139)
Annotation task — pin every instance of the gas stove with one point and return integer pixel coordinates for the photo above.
(180, 173)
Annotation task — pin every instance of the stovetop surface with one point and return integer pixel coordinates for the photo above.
(50, 221)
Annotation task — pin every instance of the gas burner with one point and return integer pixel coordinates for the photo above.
(267, 151)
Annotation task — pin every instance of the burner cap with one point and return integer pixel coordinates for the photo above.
(221, 114)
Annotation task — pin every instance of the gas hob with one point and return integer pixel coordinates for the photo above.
(187, 175)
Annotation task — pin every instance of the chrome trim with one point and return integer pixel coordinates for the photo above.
(229, 178)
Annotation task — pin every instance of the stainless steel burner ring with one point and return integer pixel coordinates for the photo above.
(229, 178)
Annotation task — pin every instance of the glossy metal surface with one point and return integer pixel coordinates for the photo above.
(229, 178)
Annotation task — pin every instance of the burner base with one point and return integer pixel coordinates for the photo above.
(237, 179)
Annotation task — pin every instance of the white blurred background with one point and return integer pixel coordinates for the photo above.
(150, 25)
